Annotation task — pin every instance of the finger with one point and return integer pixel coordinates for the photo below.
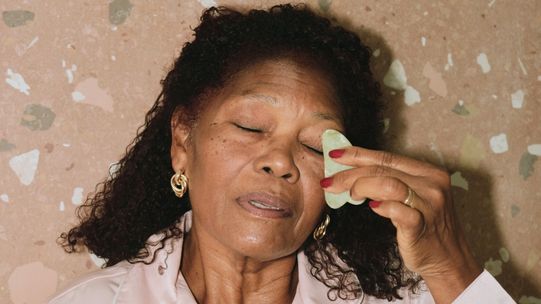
(409, 222)
(343, 180)
(382, 188)
(357, 157)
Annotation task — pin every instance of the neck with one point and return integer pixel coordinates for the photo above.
(216, 274)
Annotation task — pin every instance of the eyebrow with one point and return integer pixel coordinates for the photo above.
(274, 102)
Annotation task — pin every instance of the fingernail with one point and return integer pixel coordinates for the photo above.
(337, 153)
(326, 182)
(374, 204)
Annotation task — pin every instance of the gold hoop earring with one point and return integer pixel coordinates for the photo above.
(321, 230)
(179, 184)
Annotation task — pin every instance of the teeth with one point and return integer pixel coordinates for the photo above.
(262, 205)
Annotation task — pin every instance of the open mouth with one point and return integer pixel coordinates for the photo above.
(262, 205)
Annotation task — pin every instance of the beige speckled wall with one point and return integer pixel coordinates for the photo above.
(462, 79)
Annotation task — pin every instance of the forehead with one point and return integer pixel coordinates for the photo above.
(283, 83)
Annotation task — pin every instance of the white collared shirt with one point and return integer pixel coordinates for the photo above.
(162, 282)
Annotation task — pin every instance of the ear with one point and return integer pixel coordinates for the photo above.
(180, 137)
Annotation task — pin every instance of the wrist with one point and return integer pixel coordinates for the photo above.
(445, 286)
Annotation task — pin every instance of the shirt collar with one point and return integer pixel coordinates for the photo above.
(162, 282)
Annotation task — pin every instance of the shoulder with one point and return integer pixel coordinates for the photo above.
(99, 286)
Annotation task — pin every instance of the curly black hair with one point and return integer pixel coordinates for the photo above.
(136, 201)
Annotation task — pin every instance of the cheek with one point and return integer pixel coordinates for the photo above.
(215, 162)
(314, 199)
(312, 173)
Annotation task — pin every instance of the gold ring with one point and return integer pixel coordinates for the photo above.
(409, 200)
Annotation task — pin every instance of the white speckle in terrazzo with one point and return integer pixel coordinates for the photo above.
(411, 96)
(376, 53)
(498, 143)
(4, 197)
(522, 67)
(494, 267)
(449, 61)
(494, 96)
(482, 60)
(113, 57)
(461, 102)
(113, 169)
(517, 99)
(539, 78)
(66, 145)
(21, 50)
(77, 96)
(97, 260)
(458, 180)
(61, 206)
(207, 3)
(17, 82)
(69, 74)
(396, 76)
(25, 166)
(77, 197)
(491, 3)
(535, 149)
(31, 44)
(423, 41)
(425, 13)
(69, 71)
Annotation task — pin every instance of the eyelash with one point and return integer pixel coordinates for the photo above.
(314, 150)
(259, 131)
(248, 129)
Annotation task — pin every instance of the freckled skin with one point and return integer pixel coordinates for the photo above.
(276, 159)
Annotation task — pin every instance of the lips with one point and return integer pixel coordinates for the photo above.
(265, 205)
(262, 205)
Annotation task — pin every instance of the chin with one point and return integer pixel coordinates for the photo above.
(264, 247)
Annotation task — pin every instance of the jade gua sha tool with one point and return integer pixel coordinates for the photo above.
(331, 140)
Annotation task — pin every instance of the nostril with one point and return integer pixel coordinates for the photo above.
(269, 170)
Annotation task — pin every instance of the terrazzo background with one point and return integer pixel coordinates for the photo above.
(462, 79)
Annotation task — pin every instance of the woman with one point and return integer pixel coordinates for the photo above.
(220, 196)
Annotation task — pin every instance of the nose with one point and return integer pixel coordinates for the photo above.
(278, 161)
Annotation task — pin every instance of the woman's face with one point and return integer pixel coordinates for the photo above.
(253, 159)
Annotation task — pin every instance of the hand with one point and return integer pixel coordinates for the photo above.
(429, 238)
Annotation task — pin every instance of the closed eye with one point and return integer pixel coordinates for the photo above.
(254, 130)
(314, 150)
(248, 129)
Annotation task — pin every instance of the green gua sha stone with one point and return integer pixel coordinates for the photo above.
(331, 140)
